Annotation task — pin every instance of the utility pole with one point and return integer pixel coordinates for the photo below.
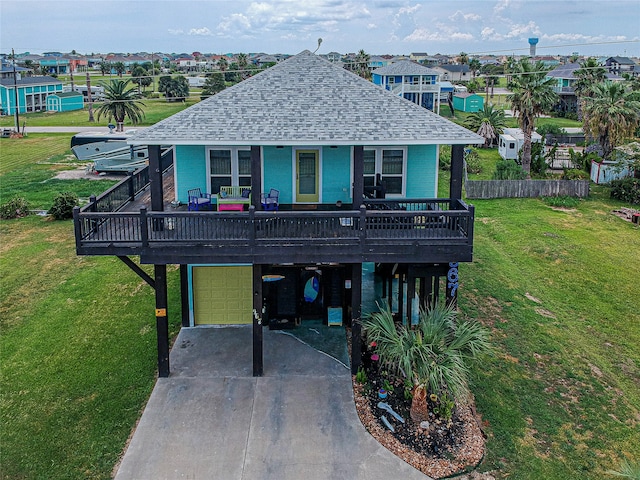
(15, 90)
(89, 99)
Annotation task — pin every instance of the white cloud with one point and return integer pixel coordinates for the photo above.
(203, 31)
(177, 31)
(500, 6)
(516, 31)
(459, 16)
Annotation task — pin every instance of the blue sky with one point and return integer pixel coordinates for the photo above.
(589, 27)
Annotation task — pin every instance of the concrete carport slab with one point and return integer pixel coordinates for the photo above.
(212, 420)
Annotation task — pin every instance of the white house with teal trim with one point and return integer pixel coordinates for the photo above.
(32, 93)
(410, 80)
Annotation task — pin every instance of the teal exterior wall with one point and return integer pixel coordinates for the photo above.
(8, 101)
(421, 175)
(422, 171)
(336, 175)
(472, 103)
(277, 171)
(60, 103)
(190, 165)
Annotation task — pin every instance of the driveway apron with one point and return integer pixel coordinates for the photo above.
(212, 420)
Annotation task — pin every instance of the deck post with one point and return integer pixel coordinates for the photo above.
(257, 321)
(455, 182)
(256, 177)
(356, 313)
(155, 178)
(162, 323)
(184, 294)
(358, 175)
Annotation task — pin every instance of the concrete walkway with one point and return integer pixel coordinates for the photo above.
(212, 420)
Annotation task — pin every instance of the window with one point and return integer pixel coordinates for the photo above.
(229, 167)
(390, 164)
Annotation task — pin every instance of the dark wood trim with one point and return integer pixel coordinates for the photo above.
(457, 166)
(155, 178)
(356, 314)
(184, 294)
(138, 271)
(358, 175)
(162, 320)
(256, 176)
(257, 321)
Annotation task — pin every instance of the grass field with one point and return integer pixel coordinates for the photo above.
(155, 109)
(560, 399)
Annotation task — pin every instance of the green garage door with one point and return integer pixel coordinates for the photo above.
(222, 295)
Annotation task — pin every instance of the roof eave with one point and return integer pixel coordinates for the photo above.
(306, 143)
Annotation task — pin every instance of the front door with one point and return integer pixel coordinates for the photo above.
(307, 176)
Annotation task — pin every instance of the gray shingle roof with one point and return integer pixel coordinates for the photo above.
(39, 80)
(305, 100)
(405, 67)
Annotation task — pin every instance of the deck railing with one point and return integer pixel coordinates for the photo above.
(416, 222)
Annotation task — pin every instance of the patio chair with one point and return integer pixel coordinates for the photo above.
(198, 200)
(270, 200)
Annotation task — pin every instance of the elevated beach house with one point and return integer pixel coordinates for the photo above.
(298, 194)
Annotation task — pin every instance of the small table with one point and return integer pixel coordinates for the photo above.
(238, 207)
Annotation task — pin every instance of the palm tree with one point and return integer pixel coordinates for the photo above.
(474, 66)
(487, 123)
(588, 75)
(223, 64)
(243, 62)
(612, 113)
(463, 58)
(435, 355)
(119, 68)
(532, 95)
(121, 102)
(362, 64)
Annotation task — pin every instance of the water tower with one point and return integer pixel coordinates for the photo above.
(532, 46)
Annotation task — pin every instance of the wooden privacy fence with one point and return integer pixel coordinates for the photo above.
(482, 189)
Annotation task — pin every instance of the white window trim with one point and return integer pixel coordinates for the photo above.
(234, 164)
(378, 168)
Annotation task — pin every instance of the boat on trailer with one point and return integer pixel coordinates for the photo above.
(109, 152)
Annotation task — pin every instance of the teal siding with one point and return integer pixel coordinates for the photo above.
(336, 175)
(190, 170)
(422, 171)
(277, 172)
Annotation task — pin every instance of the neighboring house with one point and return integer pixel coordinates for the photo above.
(7, 71)
(511, 140)
(419, 57)
(377, 61)
(65, 101)
(620, 65)
(54, 64)
(325, 144)
(564, 87)
(32, 94)
(453, 73)
(468, 102)
(412, 81)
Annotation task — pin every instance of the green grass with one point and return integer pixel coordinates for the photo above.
(29, 165)
(77, 334)
(155, 109)
(558, 289)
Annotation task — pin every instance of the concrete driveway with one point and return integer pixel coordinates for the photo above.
(212, 420)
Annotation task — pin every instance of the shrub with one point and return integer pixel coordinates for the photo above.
(626, 189)
(509, 170)
(472, 159)
(63, 204)
(15, 208)
(575, 174)
(445, 157)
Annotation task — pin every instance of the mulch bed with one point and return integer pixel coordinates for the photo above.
(439, 450)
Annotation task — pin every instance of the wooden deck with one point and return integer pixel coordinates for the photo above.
(401, 231)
